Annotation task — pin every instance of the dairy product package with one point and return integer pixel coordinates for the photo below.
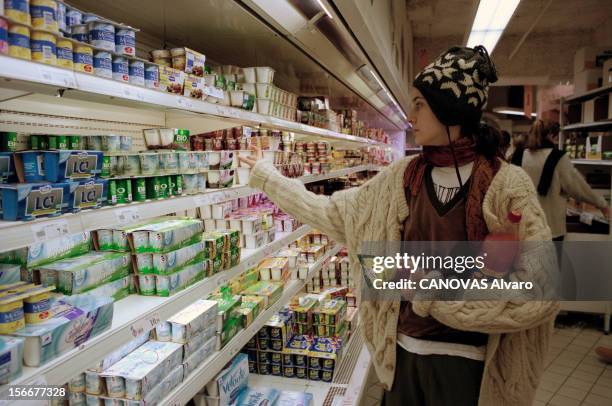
(155, 395)
(41, 253)
(163, 331)
(230, 328)
(74, 320)
(215, 243)
(11, 354)
(166, 285)
(88, 271)
(193, 319)
(164, 264)
(121, 352)
(143, 369)
(93, 400)
(94, 383)
(257, 397)
(117, 289)
(226, 304)
(198, 357)
(196, 342)
(165, 234)
(77, 383)
(271, 291)
(231, 381)
(291, 398)
(62, 165)
(9, 273)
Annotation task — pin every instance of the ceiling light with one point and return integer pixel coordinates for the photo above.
(491, 19)
(511, 111)
(324, 9)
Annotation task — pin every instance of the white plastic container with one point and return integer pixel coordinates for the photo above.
(250, 88)
(209, 79)
(249, 75)
(264, 106)
(264, 90)
(236, 98)
(264, 74)
(244, 175)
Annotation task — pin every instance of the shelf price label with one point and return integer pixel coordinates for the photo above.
(50, 230)
(57, 77)
(144, 325)
(127, 215)
(184, 102)
(201, 200)
(133, 93)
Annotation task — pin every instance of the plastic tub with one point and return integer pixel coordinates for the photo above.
(44, 47)
(83, 59)
(149, 163)
(236, 98)
(214, 159)
(264, 74)
(264, 90)
(64, 54)
(152, 138)
(73, 17)
(137, 73)
(264, 106)
(18, 11)
(44, 15)
(103, 64)
(121, 70)
(250, 88)
(125, 41)
(102, 35)
(19, 41)
(249, 75)
(166, 136)
(243, 175)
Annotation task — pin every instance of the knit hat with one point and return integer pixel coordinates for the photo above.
(456, 84)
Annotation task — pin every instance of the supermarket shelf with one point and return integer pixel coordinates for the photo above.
(588, 95)
(201, 376)
(595, 126)
(587, 216)
(136, 314)
(96, 89)
(23, 233)
(591, 162)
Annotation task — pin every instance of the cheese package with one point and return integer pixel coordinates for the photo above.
(192, 320)
(140, 371)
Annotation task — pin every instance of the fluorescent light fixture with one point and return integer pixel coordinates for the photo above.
(380, 83)
(324, 9)
(490, 22)
(511, 111)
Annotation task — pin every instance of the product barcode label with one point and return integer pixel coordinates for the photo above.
(144, 325)
(128, 215)
(47, 52)
(50, 230)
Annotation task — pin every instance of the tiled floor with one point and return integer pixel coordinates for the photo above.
(574, 375)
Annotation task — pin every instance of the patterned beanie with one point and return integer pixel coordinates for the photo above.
(456, 84)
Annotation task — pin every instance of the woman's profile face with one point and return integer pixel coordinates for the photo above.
(428, 131)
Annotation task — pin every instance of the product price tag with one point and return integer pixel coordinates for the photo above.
(184, 102)
(144, 325)
(132, 93)
(586, 218)
(127, 215)
(50, 230)
(57, 77)
(251, 263)
(214, 92)
(201, 200)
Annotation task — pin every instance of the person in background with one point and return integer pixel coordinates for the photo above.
(472, 352)
(554, 176)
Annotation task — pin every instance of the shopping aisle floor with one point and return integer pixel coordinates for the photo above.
(574, 375)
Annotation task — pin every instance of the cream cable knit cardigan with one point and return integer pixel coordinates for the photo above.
(519, 332)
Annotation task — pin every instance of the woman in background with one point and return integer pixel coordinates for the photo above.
(554, 176)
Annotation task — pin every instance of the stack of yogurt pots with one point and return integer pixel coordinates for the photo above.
(270, 99)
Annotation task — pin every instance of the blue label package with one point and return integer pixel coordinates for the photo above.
(29, 166)
(11, 354)
(67, 164)
(26, 201)
(7, 168)
(86, 194)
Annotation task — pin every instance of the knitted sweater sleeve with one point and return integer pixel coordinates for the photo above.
(573, 183)
(325, 213)
(512, 191)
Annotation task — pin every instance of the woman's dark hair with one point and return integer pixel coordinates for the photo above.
(505, 139)
(539, 133)
(487, 139)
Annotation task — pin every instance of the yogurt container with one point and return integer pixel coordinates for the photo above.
(64, 53)
(102, 64)
(111, 143)
(77, 384)
(43, 47)
(4, 47)
(102, 35)
(61, 17)
(149, 163)
(91, 17)
(125, 41)
(190, 183)
(115, 386)
(11, 313)
(125, 143)
(19, 41)
(79, 32)
(77, 399)
(163, 332)
(17, 10)
(93, 383)
(137, 73)
(94, 142)
(121, 69)
(83, 59)
(37, 305)
(202, 178)
(44, 14)
(73, 17)
(146, 285)
(144, 263)
(151, 76)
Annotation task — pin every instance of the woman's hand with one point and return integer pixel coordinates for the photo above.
(255, 156)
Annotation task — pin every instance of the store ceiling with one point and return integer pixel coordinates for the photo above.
(228, 34)
(546, 57)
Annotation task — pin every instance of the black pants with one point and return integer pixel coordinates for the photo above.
(434, 380)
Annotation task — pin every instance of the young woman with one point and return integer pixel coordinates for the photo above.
(554, 176)
(437, 352)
